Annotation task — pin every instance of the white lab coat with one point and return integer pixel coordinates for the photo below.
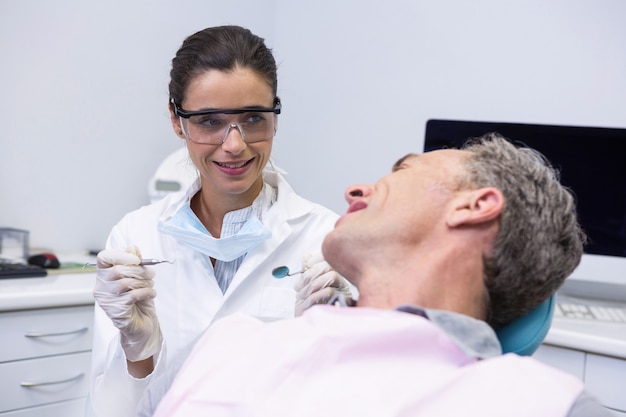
(188, 296)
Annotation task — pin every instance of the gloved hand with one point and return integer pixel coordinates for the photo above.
(318, 283)
(124, 291)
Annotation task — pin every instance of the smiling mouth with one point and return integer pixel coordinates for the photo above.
(233, 165)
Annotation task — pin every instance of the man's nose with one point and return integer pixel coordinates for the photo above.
(356, 191)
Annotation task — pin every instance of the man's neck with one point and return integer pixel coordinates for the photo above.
(445, 283)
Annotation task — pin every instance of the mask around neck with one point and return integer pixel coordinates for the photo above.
(187, 229)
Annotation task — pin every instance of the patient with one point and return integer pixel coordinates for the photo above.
(449, 246)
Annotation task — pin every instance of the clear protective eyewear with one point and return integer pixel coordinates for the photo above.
(211, 127)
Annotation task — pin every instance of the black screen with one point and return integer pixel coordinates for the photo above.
(591, 161)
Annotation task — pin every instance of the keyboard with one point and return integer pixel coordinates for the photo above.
(17, 270)
(580, 309)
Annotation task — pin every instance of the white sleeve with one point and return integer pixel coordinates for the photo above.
(159, 386)
(113, 391)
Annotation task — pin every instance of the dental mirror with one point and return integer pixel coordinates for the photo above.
(282, 272)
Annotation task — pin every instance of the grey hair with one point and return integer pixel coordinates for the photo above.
(539, 242)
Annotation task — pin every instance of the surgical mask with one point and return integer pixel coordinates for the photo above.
(187, 229)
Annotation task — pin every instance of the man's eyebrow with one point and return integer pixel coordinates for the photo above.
(401, 161)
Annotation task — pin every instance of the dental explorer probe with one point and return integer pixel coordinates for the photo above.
(146, 262)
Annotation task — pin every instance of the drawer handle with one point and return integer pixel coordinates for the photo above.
(35, 334)
(38, 384)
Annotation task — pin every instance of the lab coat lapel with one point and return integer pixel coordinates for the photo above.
(259, 255)
(287, 208)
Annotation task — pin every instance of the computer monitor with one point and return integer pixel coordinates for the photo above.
(592, 162)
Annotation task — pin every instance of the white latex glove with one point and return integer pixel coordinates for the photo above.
(124, 291)
(318, 283)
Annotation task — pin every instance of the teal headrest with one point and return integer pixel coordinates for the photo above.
(524, 335)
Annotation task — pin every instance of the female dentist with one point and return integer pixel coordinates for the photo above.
(223, 236)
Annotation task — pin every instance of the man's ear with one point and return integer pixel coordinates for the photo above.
(476, 206)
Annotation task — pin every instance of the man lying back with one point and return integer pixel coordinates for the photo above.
(450, 246)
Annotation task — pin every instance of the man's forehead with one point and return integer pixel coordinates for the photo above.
(441, 153)
(402, 160)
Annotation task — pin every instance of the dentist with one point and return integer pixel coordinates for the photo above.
(224, 235)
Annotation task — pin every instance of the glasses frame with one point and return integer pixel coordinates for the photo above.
(184, 114)
(178, 111)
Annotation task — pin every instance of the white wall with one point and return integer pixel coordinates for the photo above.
(360, 79)
(84, 90)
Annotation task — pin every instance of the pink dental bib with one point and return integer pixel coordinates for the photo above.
(356, 362)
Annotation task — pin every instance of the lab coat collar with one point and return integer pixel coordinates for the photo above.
(289, 209)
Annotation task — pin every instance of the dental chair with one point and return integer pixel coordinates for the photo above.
(525, 334)
(175, 173)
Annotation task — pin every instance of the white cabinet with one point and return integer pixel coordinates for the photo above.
(604, 376)
(45, 360)
(61, 409)
(605, 379)
(570, 361)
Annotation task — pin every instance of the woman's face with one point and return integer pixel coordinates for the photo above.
(232, 169)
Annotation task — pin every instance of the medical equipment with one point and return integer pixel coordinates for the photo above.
(585, 157)
(13, 243)
(144, 262)
(283, 271)
(174, 174)
(338, 300)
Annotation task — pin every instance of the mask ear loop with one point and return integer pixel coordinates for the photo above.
(271, 165)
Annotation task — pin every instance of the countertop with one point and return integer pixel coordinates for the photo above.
(69, 286)
(73, 286)
(593, 336)
(51, 291)
(589, 336)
